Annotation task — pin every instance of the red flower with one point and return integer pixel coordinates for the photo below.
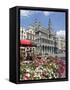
(61, 63)
(61, 69)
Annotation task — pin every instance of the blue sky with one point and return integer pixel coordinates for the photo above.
(28, 17)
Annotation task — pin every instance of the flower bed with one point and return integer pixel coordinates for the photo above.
(42, 69)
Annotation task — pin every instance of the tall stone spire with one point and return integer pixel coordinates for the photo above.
(49, 27)
(49, 24)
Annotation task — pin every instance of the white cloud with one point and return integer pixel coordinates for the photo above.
(47, 13)
(25, 13)
(61, 33)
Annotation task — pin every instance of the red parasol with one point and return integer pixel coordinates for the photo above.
(26, 42)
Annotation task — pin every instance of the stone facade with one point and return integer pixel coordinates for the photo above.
(61, 44)
(23, 34)
(46, 40)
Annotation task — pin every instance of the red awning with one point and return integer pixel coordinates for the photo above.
(26, 42)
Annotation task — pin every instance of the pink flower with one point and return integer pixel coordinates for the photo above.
(26, 76)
